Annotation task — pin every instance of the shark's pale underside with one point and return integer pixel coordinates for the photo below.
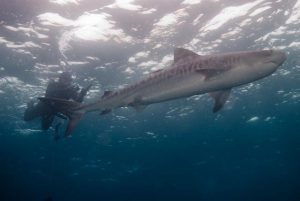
(190, 74)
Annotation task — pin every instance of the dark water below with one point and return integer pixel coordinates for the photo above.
(176, 150)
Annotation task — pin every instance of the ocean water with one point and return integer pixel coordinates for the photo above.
(176, 150)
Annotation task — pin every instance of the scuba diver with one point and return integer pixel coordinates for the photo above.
(63, 88)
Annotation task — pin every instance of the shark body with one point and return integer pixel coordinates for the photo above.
(190, 74)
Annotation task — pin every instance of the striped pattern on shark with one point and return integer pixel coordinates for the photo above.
(190, 74)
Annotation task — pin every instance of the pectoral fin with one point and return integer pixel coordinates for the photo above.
(220, 98)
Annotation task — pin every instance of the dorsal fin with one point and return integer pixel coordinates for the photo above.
(180, 53)
(106, 93)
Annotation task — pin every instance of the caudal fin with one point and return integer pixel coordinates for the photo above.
(74, 118)
(69, 108)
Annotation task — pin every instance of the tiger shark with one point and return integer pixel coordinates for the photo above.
(189, 74)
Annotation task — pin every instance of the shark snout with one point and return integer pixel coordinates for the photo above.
(278, 57)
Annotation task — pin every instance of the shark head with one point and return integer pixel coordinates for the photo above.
(263, 63)
(276, 58)
(250, 66)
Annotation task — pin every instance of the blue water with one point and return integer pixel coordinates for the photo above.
(177, 150)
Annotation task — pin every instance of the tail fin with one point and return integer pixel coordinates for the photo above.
(74, 118)
(71, 109)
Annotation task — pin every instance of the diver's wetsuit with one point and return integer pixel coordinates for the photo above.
(54, 90)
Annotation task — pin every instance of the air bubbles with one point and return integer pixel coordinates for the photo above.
(253, 119)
